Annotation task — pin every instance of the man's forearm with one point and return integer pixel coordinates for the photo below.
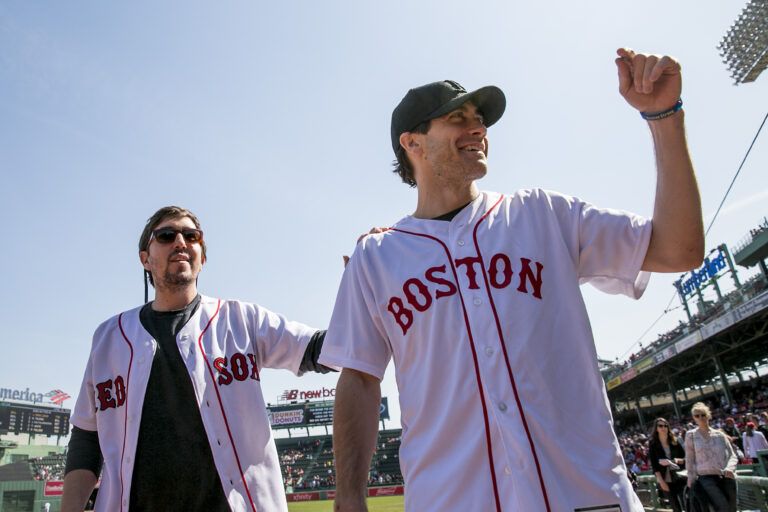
(677, 240)
(78, 485)
(355, 425)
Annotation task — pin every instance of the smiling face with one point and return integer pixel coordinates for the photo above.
(176, 264)
(454, 149)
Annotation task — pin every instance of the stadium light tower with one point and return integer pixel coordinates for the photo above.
(745, 46)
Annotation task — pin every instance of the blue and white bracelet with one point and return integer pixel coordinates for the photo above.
(655, 116)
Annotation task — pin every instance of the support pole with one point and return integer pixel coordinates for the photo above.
(675, 403)
(723, 380)
(639, 413)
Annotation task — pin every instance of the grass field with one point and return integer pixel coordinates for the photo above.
(381, 504)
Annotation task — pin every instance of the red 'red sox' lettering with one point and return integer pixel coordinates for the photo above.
(500, 274)
(111, 394)
(242, 366)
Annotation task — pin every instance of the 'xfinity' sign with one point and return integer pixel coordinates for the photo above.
(699, 277)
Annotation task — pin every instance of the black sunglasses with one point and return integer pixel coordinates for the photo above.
(662, 425)
(168, 235)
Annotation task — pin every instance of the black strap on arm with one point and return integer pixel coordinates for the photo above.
(312, 353)
(83, 451)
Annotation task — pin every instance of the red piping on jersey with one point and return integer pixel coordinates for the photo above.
(221, 404)
(127, 387)
(474, 359)
(506, 356)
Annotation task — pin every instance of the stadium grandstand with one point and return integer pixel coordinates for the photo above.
(719, 357)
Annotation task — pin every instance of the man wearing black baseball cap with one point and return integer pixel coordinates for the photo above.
(476, 298)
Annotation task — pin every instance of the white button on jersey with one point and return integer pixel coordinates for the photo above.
(477, 301)
(502, 406)
(461, 243)
(488, 351)
(507, 470)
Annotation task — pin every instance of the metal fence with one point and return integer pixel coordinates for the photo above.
(752, 493)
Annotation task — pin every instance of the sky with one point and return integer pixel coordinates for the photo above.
(270, 120)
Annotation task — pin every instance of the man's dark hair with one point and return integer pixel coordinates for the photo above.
(166, 212)
(402, 165)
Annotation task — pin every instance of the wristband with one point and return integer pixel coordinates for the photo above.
(655, 116)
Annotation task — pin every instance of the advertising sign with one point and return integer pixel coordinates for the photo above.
(53, 488)
(310, 414)
(698, 278)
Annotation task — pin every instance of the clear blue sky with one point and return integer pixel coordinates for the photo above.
(270, 120)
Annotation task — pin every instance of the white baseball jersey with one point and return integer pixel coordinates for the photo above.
(224, 346)
(502, 404)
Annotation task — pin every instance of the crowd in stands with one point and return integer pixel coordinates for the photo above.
(752, 287)
(762, 228)
(48, 468)
(750, 404)
(307, 464)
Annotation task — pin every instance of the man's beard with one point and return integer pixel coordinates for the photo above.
(178, 280)
(450, 168)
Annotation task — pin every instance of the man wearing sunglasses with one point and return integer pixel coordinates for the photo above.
(171, 399)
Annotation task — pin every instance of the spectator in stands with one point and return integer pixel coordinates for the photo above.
(753, 440)
(732, 431)
(667, 457)
(763, 424)
(711, 461)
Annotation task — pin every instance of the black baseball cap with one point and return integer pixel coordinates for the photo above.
(437, 99)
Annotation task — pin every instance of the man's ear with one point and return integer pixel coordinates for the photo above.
(144, 258)
(410, 143)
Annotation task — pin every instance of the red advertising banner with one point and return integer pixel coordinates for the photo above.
(386, 491)
(396, 490)
(304, 496)
(53, 488)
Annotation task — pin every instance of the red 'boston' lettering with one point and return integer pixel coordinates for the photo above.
(423, 291)
(501, 273)
(104, 394)
(471, 274)
(432, 278)
(506, 270)
(403, 316)
(225, 378)
(526, 274)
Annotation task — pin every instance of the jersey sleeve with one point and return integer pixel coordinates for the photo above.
(356, 338)
(84, 414)
(280, 342)
(611, 245)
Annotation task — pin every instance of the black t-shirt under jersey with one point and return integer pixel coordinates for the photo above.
(174, 468)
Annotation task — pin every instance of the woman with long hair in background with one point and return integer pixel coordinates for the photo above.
(667, 458)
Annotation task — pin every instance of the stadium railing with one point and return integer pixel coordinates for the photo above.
(752, 493)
